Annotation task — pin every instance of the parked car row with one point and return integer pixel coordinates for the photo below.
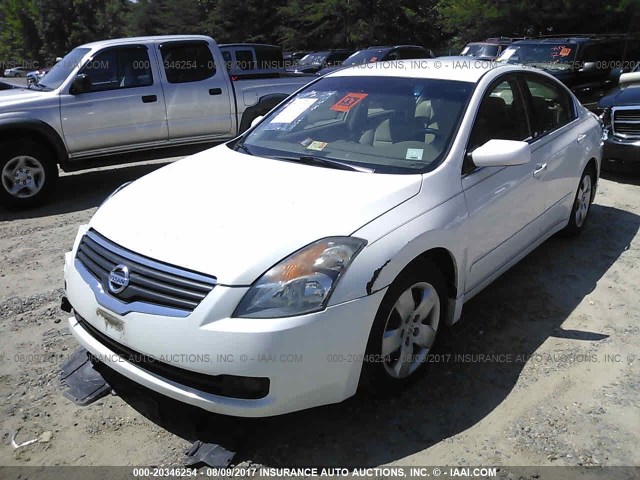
(588, 64)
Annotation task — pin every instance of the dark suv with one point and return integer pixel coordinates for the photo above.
(588, 64)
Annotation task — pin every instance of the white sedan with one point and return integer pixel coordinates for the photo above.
(324, 249)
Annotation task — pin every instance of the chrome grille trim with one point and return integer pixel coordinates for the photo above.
(154, 287)
(625, 121)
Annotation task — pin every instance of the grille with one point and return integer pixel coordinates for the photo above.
(149, 281)
(626, 122)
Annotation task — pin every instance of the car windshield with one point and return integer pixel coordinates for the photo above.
(365, 56)
(314, 58)
(380, 124)
(61, 70)
(480, 50)
(559, 56)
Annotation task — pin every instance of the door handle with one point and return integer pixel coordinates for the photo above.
(149, 98)
(581, 137)
(215, 91)
(539, 169)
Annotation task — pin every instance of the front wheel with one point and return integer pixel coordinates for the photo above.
(404, 330)
(581, 205)
(27, 174)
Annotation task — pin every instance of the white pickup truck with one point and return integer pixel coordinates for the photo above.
(126, 96)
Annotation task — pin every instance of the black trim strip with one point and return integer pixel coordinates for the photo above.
(249, 388)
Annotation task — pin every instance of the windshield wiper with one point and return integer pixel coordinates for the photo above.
(240, 146)
(327, 163)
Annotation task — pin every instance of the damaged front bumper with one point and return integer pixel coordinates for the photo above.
(234, 366)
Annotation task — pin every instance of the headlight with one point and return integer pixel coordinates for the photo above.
(301, 283)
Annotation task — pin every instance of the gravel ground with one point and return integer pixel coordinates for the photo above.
(543, 369)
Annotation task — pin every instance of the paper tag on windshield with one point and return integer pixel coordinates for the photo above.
(294, 110)
(316, 145)
(347, 102)
(565, 52)
(414, 154)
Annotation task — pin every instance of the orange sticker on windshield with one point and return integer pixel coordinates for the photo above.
(347, 102)
(565, 52)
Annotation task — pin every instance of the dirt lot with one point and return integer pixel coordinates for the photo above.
(551, 375)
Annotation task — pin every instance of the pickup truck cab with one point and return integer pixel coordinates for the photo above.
(124, 96)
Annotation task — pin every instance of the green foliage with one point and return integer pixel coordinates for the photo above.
(37, 30)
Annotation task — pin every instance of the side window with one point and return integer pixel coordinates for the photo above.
(392, 55)
(411, 53)
(187, 62)
(551, 106)
(501, 116)
(119, 68)
(244, 60)
(103, 71)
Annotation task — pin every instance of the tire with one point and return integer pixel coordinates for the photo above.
(28, 173)
(581, 205)
(384, 370)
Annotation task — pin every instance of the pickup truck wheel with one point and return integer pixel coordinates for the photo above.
(27, 174)
(404, 330)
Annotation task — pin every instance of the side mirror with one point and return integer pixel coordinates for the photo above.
(589, 67)
(256, 120)
(81, 84)
(501, 153)
(627, 78)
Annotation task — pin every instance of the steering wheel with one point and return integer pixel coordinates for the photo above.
(432, 131)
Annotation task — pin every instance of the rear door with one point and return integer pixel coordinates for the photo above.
(197, 91)
(557, 143)
(124, 108)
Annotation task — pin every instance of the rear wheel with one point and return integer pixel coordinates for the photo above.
(27, 173)
(404, 330)
(581, 204)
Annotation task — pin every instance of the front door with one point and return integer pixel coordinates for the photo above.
(124, 107)
(505, 204)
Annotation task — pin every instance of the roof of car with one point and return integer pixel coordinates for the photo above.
(227, 45)
(444, 68)
(148, 39)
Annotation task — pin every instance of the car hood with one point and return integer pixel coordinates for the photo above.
(234, 216)
(619, 96)
(18, 96)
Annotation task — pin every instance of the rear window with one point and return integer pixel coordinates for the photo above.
(269, 58)
(244, 60)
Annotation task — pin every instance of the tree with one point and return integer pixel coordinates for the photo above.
(19, 39)
(68, 23)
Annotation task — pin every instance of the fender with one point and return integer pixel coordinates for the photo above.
(390, 254)
(44, 129)
(264, 104)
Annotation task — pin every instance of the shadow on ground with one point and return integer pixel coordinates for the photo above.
(514, 315)
(83, 190)
(627, 173)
